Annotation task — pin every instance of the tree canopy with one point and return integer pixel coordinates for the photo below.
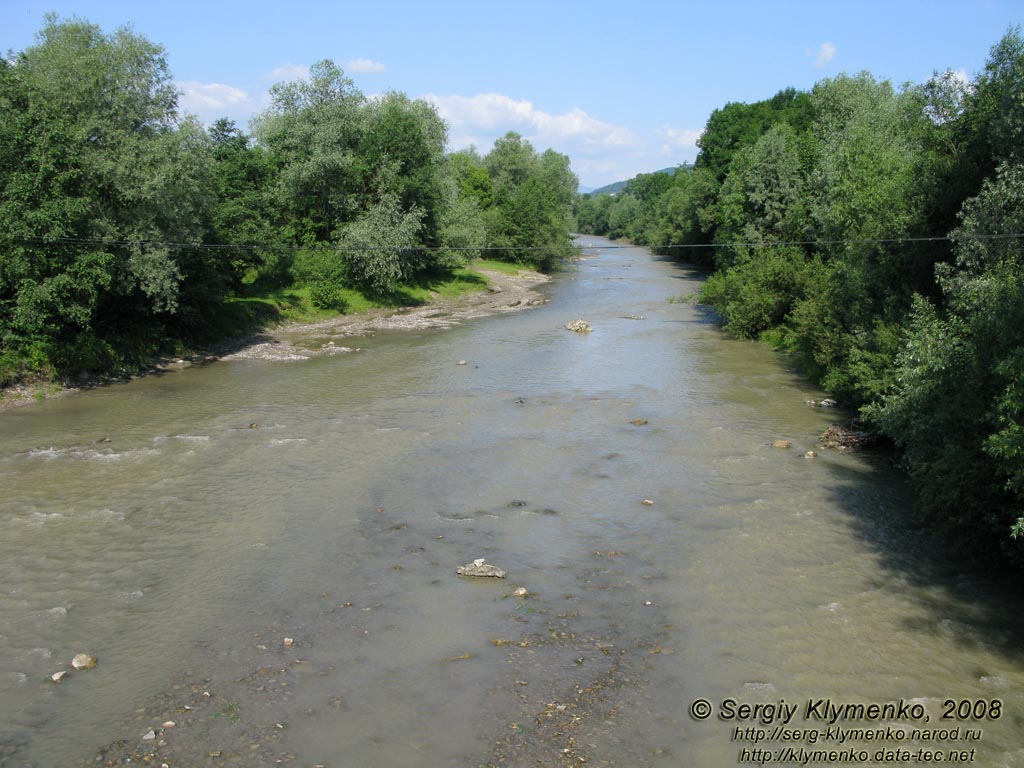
(875, 234)
(125, 226)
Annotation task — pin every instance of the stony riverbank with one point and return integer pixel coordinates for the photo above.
(302, 341)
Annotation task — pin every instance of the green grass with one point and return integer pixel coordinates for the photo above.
(260, 307)
(505, 267)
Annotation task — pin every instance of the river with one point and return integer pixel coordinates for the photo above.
(262, 555)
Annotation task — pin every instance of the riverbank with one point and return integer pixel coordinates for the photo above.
(506, 291)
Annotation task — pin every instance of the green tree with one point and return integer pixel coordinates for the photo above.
(592, 214)
(243, 214)
(647, 189)
(408, 137)
(956, 406)
(510, 163)
(375, 249)
(313, 129)
(763, 199)
(623, 214)
(868, 191)
(97, 178)
(471, 178)
(531, 215)
(738, 125)
(996, 104)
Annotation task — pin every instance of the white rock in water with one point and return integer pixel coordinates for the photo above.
(579, 326)
(520, 592)
(479, 568)
(83, 661)
(289, 642)
(149, 735)
(60, 677)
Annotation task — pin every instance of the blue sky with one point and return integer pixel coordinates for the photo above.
(621, 87)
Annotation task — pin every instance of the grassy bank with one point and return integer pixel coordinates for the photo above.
(251, 311)
(258, 307)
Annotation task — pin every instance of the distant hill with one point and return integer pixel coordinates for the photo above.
(610, 189)
(615, 187)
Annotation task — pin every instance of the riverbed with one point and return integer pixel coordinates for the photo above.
(261, 554)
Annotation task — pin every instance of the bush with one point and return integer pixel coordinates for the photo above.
(760, 291)
(324, 294)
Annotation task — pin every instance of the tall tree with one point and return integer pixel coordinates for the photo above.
(957, 404)
(243, 214)
(531, 215)
(313, 128)
(98, 177)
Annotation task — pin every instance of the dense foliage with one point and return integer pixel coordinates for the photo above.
(875, 234)
(125, 226)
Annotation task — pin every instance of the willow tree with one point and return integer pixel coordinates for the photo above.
(98, 178)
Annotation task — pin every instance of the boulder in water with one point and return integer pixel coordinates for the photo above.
(83, 661)
(480, 568)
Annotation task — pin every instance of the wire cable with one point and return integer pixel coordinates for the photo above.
(431, 248)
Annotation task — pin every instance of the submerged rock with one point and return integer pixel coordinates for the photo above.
(480, 568)
(638, 421)
(811, 455)
(782, 444)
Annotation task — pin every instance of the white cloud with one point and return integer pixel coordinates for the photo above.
(493, 114)
(212, 99)
(825, 53)
(577, 123)
(365, 65)
(601, 152)
(289, 72)
(679, 141)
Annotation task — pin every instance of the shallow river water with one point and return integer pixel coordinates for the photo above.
(262, 557)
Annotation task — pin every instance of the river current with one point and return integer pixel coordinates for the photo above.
(262, 557)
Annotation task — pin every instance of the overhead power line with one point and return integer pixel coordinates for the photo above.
(781, 243)
(40, 241)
